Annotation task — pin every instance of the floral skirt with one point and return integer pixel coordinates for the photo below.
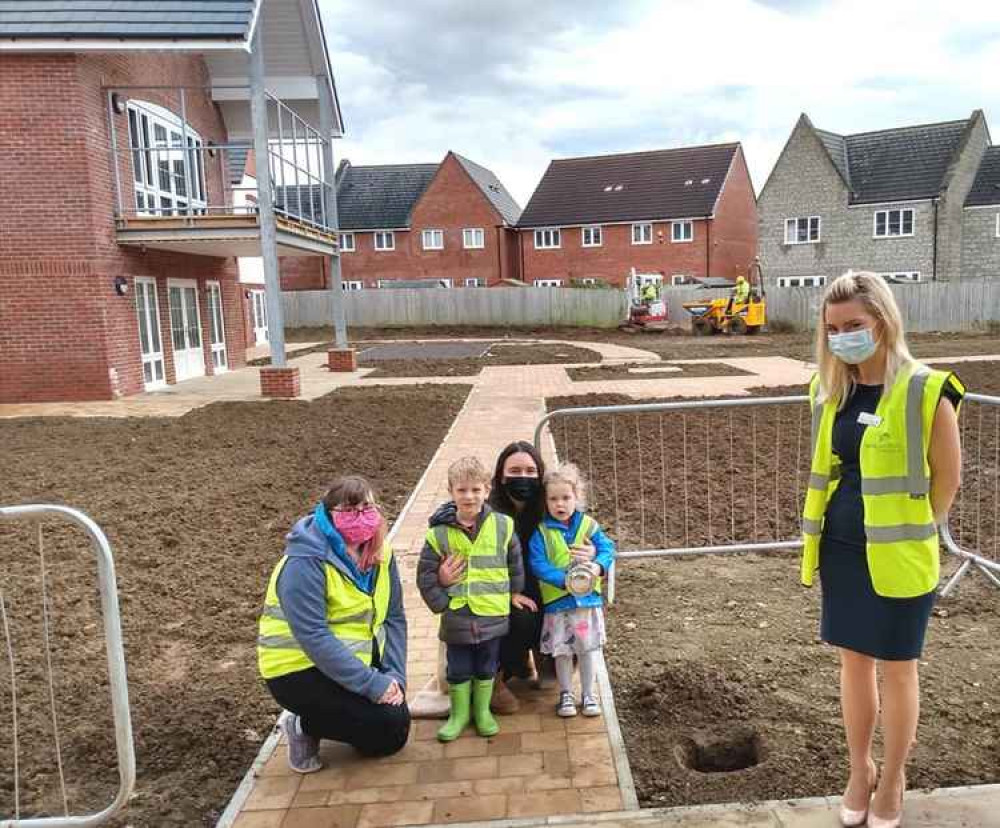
(573, 632)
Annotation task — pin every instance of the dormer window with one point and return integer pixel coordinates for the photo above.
(706, 180)
(689, 182)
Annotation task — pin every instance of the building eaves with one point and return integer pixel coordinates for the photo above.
(493, 189)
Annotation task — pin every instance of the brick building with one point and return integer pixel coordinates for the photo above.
(452, 222)
(667, 216)
(915, 203)
(127, 280)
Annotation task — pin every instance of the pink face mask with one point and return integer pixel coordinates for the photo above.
(357, 527)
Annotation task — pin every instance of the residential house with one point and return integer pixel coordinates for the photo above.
(892, 201)
(452, 222)
(668, 216)
(981, 221)
(127, 280)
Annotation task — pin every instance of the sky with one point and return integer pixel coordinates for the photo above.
(513, 84)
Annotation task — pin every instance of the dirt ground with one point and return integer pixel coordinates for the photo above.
(499, 353)
(196, 509)
(597, 373)
(716, 661)
(797, 345)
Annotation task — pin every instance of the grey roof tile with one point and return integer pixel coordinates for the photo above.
(493, 189)
(986, 188)
(895, 164)
(227, 19)
(663, 184)
(369, 198)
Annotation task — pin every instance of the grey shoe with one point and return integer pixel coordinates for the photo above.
(591, 707)
(303, 749)
(567, 705)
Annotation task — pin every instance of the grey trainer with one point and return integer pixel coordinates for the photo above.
(303, 749)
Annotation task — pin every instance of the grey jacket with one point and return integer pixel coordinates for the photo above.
(302, 592)
(462, 626)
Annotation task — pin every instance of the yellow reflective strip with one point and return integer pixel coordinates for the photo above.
(278, 642)
(273, 612)
(885, 485)
(441, 536)
(812, 527)
(489, 587)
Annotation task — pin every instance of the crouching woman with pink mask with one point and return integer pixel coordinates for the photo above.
(332, 634)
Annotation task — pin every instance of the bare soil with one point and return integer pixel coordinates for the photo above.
(670, 345)
(196, 509)
(499, 353)
(622, 371)
(724, 689)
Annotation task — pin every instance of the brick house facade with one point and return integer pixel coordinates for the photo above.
(891, 201)
(105, 289)
(678, 214)
(450, 221)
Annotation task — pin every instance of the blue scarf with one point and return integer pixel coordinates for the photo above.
(365, 581)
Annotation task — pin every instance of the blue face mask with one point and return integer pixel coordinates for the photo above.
(853, 347)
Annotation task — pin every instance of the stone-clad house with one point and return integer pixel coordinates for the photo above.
(914, 203)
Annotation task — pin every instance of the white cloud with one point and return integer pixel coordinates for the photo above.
(514, 90)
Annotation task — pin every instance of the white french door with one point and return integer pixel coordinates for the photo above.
(259, 317)
(148, 312)
(185, 329)
(217, 328)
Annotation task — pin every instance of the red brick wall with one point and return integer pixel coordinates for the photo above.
(64, 332)
(451, 202)
(734, 231)
(612, 262)
(304, 272)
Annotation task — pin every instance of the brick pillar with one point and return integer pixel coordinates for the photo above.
(279, 382)
(342, 359)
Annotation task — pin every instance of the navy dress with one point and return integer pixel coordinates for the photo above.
(855, 617)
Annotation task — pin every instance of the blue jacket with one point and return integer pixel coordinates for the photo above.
(302, 592)
(545, 571)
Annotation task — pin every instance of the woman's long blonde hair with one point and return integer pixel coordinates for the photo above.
(836, 377)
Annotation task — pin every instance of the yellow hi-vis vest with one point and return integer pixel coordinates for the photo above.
(557, 551)
(485, 587)
(902, 536)
(353, 616)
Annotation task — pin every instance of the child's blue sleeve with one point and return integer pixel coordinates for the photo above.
(605, 548)
(540, 564)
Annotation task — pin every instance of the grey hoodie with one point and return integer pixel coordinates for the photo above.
(462, 626)
(302, 592)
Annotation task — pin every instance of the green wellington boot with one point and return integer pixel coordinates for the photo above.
(458, 716)
(482, 692)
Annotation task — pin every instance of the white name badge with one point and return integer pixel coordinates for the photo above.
(867, 419)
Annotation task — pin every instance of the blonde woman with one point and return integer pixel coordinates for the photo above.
(886, 464)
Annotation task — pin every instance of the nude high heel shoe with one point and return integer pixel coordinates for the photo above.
(851, 818)
(891, 822)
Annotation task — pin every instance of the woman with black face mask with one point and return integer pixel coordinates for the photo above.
(517, 492)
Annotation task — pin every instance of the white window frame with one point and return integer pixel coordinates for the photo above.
(153, 356)
(348, 244)
(998, 226)
(588, 280)
(148, 171)
(801, 281)
(351, 284)
(384, 235)
(595, 234)
(432, 239)
(905, 275)
(678, 279)
(794, 223)
(475, 282)
(220, 358)
(642, 236)
(887, 234)
(548, 283)
(469, 237)
(682, 237)
(548, 239)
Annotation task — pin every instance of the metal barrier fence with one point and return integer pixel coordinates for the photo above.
(116, 670)
(723, 476)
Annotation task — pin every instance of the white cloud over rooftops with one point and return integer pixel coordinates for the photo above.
(512, 85)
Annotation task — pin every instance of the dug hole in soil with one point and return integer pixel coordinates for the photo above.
(196, 509)
(724, 690)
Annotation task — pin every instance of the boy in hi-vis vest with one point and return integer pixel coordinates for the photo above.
(474, 603)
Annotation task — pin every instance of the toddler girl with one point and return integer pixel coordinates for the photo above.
(573, 625)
